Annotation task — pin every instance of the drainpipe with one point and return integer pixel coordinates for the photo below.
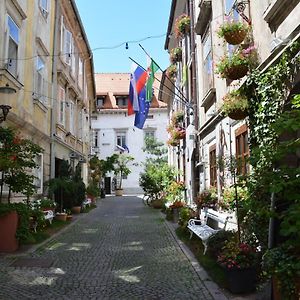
(54, 92)
(194, 74)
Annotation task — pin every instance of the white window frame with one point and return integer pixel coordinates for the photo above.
(40, 81)
(121, 138)
(61, 106)
(73, 60)
(72, 116)
(12, 62)
(149, 133)
(80, 125)
(43, 4)
(80, 73)
(39, 173)
(68, 47)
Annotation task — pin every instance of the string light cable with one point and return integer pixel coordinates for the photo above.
(126, 43)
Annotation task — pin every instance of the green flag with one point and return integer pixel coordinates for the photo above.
(153, 67)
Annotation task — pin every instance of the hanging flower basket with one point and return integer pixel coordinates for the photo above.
(173, 142)
(175, 55)
(182, 25)
(234, 32)
(238, 114)
(172, 72)
(235, 106)
(177, 117)
(235, 37)
(179, 133)
(235, 72)
(236, 65)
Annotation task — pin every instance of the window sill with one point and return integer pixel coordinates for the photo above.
(41, 105)
(11, 78)
(209, 96)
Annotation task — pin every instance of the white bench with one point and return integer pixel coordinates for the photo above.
(48, 215)
(204, 231)
(86, 202)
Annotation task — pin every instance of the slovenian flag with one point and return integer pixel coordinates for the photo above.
(138, 79)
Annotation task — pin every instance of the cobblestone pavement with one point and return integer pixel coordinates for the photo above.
(120, 250)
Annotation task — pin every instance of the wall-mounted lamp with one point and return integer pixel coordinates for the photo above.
(4, 107)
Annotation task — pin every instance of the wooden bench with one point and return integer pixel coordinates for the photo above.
(203, 230)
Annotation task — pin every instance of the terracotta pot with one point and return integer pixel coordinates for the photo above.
(76, 209)
(8, 228)
(157, 203)
(238, 114)
(119, 192)
(236, 37)
(236, 72)
(61, 217)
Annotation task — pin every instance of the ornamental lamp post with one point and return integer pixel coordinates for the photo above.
(4, 108)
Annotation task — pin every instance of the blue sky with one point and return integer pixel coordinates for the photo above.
(110, 23)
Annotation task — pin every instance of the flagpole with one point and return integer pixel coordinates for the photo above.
(180, 98)
(182, 95)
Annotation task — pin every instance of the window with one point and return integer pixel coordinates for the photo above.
(121, 139)
(121, 101)
(38, 173)
(80, 73)
(96, 142)
(73, 60)
(242, 150)
(213, 166)
(13, 46)
(44, 7)
(40, 83)
(68, 47)
(207, 62)
(149, 134)
(72, 115)
(61, 106)
(80, 124)
(100, 101)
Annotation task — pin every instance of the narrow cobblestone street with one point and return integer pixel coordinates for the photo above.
(120, 250)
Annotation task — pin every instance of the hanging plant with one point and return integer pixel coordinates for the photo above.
(235, 106)
(236, 65)
(175, 55)
(172, 72)
(173, 142)
(233, 31)
(177, 117)
(182, 25)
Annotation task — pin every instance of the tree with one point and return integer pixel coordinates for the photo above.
(121, 168)
(17, 158)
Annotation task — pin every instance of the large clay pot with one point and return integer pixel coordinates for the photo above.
(61, 217)
(8, 228)
(76, 209)
(119, 192)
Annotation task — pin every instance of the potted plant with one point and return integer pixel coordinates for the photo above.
(239, 261)
(44, 203)
(78, 190)
(172, 72)
(175, 55)
(207, 198)
(233, 31)
(235, 106)
(236, 65)
(182, 25)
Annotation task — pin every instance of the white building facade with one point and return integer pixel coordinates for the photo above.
(113, 128)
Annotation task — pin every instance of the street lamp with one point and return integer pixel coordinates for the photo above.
(4, 108)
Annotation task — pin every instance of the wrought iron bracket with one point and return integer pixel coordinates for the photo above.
(239, 6)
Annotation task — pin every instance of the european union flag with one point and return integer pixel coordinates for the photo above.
(141, 115)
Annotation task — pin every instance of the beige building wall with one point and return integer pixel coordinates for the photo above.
(32, 36)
